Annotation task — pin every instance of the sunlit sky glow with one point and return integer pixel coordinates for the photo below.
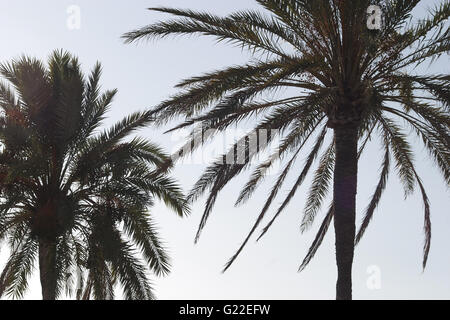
(145, 74)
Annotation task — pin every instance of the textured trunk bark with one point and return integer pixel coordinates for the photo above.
(47, 269)
(344, 194)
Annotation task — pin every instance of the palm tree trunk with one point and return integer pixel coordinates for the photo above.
(345, 181)
(47, 268)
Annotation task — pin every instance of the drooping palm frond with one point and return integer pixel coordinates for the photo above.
(319, 187)
(311, 157)
(318, 239)
(396, 142)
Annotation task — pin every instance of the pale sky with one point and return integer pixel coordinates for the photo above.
(145, 74)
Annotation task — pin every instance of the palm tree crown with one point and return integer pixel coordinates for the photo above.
(344, 78)
(73, 197)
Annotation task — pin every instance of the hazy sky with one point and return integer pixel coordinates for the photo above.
(145, 74)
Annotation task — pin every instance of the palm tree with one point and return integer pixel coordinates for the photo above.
(74, 198)
(344, 79)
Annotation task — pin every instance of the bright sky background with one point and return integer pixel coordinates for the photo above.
(145, 74)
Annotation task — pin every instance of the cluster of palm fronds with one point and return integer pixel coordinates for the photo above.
(84, 192)
(338, 73)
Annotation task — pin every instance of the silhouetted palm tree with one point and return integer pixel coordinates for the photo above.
(73, 198)
(344, 79)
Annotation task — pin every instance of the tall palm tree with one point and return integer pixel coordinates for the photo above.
(74, 198)
(344, 79)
